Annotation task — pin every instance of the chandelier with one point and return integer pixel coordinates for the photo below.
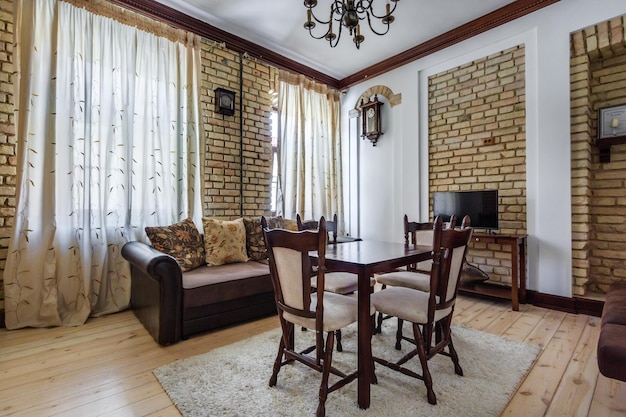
(348, 13)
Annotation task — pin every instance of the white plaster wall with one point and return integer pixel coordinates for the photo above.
(391, 179)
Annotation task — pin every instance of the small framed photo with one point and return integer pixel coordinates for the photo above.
(612, 121)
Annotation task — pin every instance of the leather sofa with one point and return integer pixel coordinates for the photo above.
(612, 341)
(173, 305)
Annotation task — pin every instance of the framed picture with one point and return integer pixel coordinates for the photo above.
(612, 121)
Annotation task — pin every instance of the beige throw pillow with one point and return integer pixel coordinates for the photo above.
(291, 225)
(224, 241)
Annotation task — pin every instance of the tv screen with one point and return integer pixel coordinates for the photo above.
(481, 206)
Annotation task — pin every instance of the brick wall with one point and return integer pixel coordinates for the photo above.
(477, 141)
(598, 79)
(222, 196)
(7, 136)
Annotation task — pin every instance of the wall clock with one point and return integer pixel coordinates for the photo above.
(370, 114)
(224, 101)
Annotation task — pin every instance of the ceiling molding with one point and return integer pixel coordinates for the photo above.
(477, 26)
(180, 20)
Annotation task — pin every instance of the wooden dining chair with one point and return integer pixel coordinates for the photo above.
(343, 283)
(430, 312)
(416, 276)
(332, 227)
(297, 305)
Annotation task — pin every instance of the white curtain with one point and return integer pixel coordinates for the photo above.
(107, 121)
(310, 177)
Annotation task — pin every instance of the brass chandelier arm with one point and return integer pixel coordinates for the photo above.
(388, 12)
(349, 13)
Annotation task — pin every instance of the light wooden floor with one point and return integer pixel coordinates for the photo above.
(104, 367)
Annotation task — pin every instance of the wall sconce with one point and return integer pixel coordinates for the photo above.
(611, 129)
(614, 125)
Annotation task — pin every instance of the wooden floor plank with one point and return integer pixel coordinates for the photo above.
(488, 315)
(609, 399)
(104, 368)
(537, 390)
(575, 391)
(505, 320)
(526, 323)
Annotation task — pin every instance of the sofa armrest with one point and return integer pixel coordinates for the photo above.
(156, 291)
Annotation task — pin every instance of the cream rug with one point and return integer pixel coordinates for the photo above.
(233, 380)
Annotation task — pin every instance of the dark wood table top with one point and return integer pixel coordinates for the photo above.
(373, 255)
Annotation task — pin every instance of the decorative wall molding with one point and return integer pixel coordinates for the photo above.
(477, 26)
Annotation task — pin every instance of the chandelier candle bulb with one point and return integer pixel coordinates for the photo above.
(615, 123)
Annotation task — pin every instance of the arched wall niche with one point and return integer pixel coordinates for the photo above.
(380, 90)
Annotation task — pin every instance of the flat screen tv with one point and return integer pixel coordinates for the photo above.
(481, 206)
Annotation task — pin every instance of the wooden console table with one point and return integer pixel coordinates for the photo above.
(517, 244)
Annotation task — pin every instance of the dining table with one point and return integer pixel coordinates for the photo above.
(366, 258)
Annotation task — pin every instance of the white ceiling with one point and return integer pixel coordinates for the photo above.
(278, 25)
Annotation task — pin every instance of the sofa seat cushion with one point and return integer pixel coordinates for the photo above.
(214, 284)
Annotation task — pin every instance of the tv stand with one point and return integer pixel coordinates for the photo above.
(517, 291)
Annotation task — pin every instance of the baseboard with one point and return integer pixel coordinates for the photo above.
(575, 305)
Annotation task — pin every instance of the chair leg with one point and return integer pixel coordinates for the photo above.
(328, 357)
(379, 328)
(338, 337)
(277, 362)
(421, 352)
(453, 355)
(399, 334)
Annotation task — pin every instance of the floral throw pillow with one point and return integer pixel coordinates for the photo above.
(224, 241)
(180, 240)
(254, 235)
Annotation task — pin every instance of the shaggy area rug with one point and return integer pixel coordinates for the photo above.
(233, 380)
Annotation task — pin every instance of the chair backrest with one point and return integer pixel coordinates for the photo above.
(417, 233)
(290, 268)
(449, 251)
(331, 226)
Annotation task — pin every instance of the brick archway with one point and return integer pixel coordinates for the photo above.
(380, 90)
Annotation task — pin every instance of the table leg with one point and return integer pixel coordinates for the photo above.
(514, 277)
(522, 270)
(365, 365)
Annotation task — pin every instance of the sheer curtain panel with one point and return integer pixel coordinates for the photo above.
(310, 176)
(107, 121)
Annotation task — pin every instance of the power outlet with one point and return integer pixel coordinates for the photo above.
(488, 141)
